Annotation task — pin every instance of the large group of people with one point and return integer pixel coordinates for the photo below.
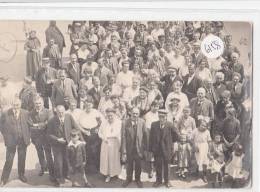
(128, 93)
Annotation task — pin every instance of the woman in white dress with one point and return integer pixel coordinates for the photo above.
(110, 133)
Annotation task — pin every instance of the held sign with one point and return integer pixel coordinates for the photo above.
(212, 46)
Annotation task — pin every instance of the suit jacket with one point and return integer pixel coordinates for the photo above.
(238, 93)
(190, 89)
(103, 75)
(10, 132)
(54, 129)
(38, 133)
(77, 155)
(167, 86)
(96, 96)
(198, 59)
(112, 65)
(61, 95)
(128, 138)
(169, 136)
(41, 81)
(74, 73)
(205, 109)
(56, 34)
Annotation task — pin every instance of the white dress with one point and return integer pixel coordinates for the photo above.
(201, 140)
(110, 148)
(234, 168)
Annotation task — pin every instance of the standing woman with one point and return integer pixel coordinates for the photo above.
(33, 57)
(110, 133)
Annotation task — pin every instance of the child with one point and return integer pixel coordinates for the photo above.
(234, 166)
(217, 163)
(183, 156)
(201, 139)
(186, 124)
(77, 160)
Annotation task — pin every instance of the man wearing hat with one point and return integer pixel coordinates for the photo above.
(44, 80)
(27, 94)
(161, 41)
(142, 33)
(162, 136)
(52, 51)
(168, 80)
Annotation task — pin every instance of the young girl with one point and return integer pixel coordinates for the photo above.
(201, 139)
(77, 160)
(217, 163)
(234, 166)
(183, 156)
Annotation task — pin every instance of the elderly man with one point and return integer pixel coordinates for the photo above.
(52, 51)
(201, 106)
(59, 128)
(162, 136)
(63, 90)
(16, 133)
(38, 119)
(44, 80)
(102, 72)
(134, 142)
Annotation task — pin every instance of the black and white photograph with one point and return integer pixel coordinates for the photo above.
(126, 104)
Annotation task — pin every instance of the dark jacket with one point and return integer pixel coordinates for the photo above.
(169, 136)
(96, 96)
(9, 130)
(54, 130)
(128, 138)
(74, 73)
(77, 155)
(190, 89)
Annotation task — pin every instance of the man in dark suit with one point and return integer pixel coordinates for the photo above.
(95, 92)
(44, 80)
(16, 133)
(73, 69)
(58, 132)
(111, 62)
(38, 119)
(191, 83)
(162, 136)
(201, 106)
(197, 56)
(134, 142)
(63, 90)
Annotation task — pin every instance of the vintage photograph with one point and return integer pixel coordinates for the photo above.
(126, 104)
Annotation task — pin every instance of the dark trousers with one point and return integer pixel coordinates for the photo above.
(133, 162)
(161, 164)
(60, 161)
(45, 157)
(46, 102)
(10, 153)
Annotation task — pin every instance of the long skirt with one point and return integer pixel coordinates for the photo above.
(110, 157)
(33, 62)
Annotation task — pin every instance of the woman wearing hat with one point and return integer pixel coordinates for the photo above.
(110, 134)
(33, 57)
(141, 101)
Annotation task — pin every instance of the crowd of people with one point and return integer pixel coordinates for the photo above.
(128, 93)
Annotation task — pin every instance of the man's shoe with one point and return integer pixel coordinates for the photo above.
(126, 183)
(2, 183)
(139, 184)
(168, 185)
(89, 185)
(41, 173)
(157, 184)
(23, 178)
(56, 183)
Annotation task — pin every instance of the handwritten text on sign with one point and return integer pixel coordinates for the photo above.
(212, 46)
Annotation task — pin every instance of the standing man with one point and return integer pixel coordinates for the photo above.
(16, 133)
(44, 80)
(58, 132)
(53, 32)
(38, 119)
(63, 90)
(74, 69)
(134, 142)
(162, 136)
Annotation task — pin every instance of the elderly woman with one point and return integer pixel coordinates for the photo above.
(110, 133)
(235, 66)
(154, 93)
(219, 84)
(33, 58)
(141, 101)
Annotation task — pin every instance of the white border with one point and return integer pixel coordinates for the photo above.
(199, 10)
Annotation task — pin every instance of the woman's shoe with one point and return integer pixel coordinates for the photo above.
(107, 179)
